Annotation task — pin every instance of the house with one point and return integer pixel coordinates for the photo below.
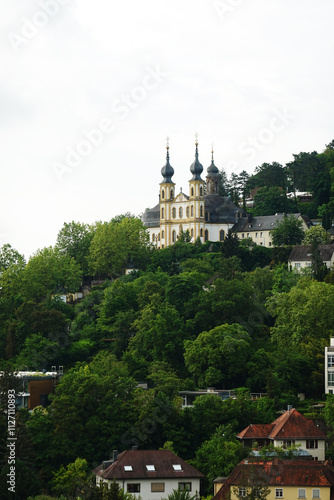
(34, 387)
(259, 228)
(285, 479)
(288, 429)
(203, 212)
(150, 474)
(188, 397)
(329, 368)
(301, 256)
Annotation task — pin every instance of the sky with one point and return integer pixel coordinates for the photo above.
(89, 92)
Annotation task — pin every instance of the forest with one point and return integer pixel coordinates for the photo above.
(230, 315)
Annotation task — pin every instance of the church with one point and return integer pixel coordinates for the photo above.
(203, 212)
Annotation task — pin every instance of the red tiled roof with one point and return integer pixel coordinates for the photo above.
(162, 460)
(290, 425)
(279, 473)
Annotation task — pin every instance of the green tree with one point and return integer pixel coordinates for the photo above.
(74, 240)
(114, 243)
(66, 479)
(10, 257)
(269, 175)
(289, 231)
(271, 200)
(316, 235)
(218, 357)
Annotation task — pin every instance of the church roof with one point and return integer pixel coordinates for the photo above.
(167, 170)
(151, 218)
(221, 209)
(196, 168)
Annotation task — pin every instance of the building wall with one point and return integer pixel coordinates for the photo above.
(318, 453)
(145, 486)
(259, 237)
(291, 492)
(329, 368)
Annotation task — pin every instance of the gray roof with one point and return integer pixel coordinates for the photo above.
(301, 253)
(261, 223)
(151, 218)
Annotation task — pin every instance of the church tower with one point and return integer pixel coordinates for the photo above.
(196, 198)
(212, 178)
(166, 197)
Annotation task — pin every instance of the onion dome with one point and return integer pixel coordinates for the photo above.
(167, 171)
(196, 168)
(212, 170)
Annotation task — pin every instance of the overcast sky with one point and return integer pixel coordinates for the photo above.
(90, 90)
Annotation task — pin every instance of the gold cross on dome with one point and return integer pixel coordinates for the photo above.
(167, 141)
(196, 137)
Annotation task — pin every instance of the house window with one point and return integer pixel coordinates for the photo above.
(206, 237)
(187, 211)
(242, 492)
(157, 487)
(261, 234)
(331, 379)
(133, 487)
(180, 212)
(256, 235)
(330, 360)
(279, 493)
(270, 243)
(150, 467)
(288, 443)
(221, 235)
(174, 213)
(173, 236)
(185, 486)
(297, 265)
(153, 237)
(243, 235)
(312, 444)
(316, 493)
(162, 213)
(301, 493)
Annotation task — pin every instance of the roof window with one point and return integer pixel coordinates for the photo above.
(177, 467)
(128, 468)
(150, 467)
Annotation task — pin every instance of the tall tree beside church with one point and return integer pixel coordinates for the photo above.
(74, 241)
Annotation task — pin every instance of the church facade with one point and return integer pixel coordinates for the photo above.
(203, 212)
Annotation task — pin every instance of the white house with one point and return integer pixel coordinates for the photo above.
(150, 474)
(301, 256)
(329, 368)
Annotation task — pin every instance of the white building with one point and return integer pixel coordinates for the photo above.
(150, 474)
(329, 368)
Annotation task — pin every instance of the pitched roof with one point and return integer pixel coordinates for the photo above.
(289, 425)
(279, 473)
(132, 464)
(261, 223)
(304, 253)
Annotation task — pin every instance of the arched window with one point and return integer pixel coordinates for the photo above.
(171, 194)
(153, 237)
(192, 211)
(192, 233)
(201, 191)
(216, 187)
(162, 234)
(174, 236)
(163, 194)
(206, 237)
(174, 213)
(180, 212)
(187, 212)
(192, 191)
(162, 213)
(201, 211)
(221, 235)
(158, 236)
(206, 216)
(201, 233)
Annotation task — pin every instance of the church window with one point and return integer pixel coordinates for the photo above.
(221, 235)
(187, 211)
(180, 212)
(163, 194)
(192, 191)
(162, 234)
(174, 213)
(174, 236)
(201, 191)
(171, 194)
(192, 210)
(153, 237)
(201, 233)
(162, 213)
(158, 236)
(201, 211)
(206, 216)
(206, 235)
(216, 187)
(192, 233)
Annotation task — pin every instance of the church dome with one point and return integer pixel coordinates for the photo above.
(167, 170)
(196, 168)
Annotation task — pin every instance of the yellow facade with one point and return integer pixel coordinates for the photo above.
(281, 492)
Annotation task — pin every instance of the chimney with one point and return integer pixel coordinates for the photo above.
(250, 218)
(289, 407)
(114, 455)
(332, 341)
